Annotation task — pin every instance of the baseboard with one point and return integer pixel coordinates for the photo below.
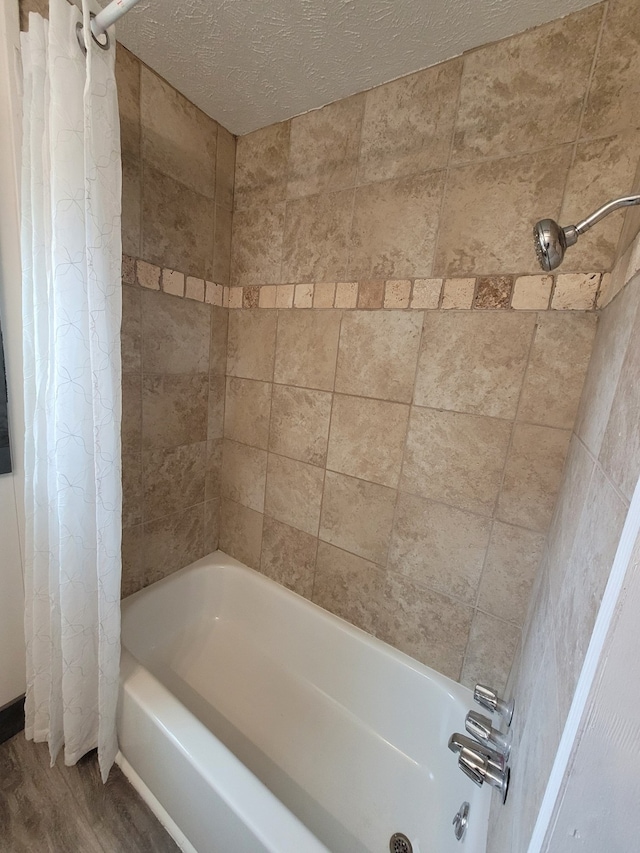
(11, 719)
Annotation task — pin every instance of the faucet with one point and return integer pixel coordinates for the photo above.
(481, 763)
(480, 727)
(490, 700)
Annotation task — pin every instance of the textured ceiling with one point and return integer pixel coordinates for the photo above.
(249, 63)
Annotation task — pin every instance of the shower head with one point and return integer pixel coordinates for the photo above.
(552, 240)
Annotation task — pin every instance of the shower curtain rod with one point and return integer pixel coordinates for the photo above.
(101, 22)
(110, 14)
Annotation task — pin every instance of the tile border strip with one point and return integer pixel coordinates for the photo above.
(562, 292)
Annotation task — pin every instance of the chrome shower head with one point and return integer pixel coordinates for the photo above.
(552, 240)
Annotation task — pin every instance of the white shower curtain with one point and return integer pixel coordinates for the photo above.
(71, 254)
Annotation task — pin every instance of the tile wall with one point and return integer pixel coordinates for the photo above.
(393, 465)
(602, 469)
(441, 174)
(178, 167)
(173, 362)
(400, 469)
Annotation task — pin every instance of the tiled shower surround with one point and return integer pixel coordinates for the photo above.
(395, 456)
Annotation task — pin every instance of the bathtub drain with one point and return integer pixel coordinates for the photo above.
(399, 843)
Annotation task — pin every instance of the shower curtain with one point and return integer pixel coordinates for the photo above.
(71, 255)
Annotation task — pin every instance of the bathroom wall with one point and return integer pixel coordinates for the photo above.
(602, 469)
(394, 451)
(178, 169)
(177, 199)
(601, 472)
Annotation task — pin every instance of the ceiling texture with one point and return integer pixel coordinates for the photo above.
(249, 63)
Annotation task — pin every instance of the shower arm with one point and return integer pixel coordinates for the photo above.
(572, 232)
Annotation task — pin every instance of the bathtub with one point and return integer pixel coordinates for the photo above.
(252, 720)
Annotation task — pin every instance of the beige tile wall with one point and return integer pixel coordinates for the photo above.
(601, 471)
(178, 167)
(443, 173)
(178, 170)
(173, 364)
(418, 195)
(399, 467)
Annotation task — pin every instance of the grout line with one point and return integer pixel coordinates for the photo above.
(355, 190)
(583, 110)
(267, 450)
(324, 478)
(447, 173)
(404, 443)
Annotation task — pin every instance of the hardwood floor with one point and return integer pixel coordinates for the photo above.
(68, 809)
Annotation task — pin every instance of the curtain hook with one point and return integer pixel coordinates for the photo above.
(102, 45)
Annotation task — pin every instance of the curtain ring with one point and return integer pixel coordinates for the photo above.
(103, 46)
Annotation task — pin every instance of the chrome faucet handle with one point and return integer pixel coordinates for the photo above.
(489, 699)
(458, 742)
(480, 769)
(481, 763)
(480, 727)
(473, 765)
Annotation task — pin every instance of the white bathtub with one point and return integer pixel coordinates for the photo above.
(260, 722)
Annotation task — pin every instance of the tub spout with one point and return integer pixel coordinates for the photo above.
(481, 763)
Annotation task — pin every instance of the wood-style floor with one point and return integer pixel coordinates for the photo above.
(68, 809)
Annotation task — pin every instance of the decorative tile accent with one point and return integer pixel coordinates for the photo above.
(250, 297)
(128, 270)
(148, 275)
(173, 282)
(235, 297)
(397, 294)
(573, 292)
(284, 296)
(303, 297)
(494, 292)
(323, 295)
(194, 289)
(371, 294)
(458, 292)
(213, 293)
(426, 293)
(576, 292)
(267, 297)
(346, 294)
(532, 292)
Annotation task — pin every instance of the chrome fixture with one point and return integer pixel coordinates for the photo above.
(481, 729)
(489, 699)
(552, 240)
(460, 821)
(481, 764)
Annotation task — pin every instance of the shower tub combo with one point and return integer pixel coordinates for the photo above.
(252, 720)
